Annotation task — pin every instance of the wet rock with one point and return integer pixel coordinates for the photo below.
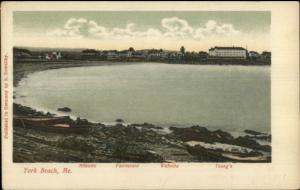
(223, 135)
(119, 120)
(64, 109)
(80, 121)
(260, 137)
(197, 133)
(147, 125)
(25, 111)
(248, 142)
(251, 132)
(119, 125)
(257, 135)
(49, 114)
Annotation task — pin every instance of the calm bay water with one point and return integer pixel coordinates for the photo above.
(218, 97)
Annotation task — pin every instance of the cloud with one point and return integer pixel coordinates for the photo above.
(212, 28)
(80, 28)
(176, 27)
(171, 28)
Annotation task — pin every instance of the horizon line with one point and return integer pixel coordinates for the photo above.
(248, 49)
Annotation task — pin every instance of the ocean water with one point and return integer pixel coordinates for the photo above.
(231, 98)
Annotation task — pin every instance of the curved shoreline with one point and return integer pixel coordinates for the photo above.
(21, 70)
(140, 136)
(97, 66)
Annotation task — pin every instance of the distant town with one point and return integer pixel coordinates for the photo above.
(215, 55)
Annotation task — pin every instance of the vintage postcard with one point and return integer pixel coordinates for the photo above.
(150, 95)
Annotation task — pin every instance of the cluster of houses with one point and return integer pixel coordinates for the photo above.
(53, 55)
(24, 54)
(131, 54)
(214, 54)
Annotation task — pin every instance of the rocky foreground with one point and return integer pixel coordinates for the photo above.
(128, 143)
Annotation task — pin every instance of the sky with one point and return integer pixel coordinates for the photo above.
(195, 30)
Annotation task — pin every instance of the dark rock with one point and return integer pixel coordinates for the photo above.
(204, 155)
(147, 125)
(49, 114)
(120, 125)
(251, 132)
(248, 142)
(223, 135)
(64, 109)
(25, 111)
(80, 121)
(197, 133)
(119, 120)
(133, 153)
(260, 137)
(77, 143)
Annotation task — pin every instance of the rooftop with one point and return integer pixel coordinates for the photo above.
(233, 47)
(90, 51)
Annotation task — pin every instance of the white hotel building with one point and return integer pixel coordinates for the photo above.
(228, 52)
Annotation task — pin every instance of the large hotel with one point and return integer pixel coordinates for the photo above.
(228, 52)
